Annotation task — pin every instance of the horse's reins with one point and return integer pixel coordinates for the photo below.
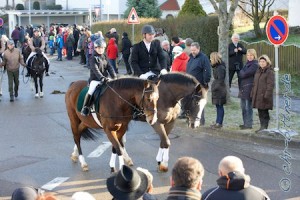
(137, 111)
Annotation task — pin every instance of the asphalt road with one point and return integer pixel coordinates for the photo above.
(36, 144)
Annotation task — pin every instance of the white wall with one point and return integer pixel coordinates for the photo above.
(294, 14)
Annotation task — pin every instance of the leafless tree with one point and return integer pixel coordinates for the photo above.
(225, 20)
(256, 11)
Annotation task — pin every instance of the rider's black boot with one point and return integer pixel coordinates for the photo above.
(86, 105)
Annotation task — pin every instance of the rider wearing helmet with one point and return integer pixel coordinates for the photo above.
(100, 68)
(36, 42)
(145, 54)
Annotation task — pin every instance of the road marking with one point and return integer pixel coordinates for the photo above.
(100, 150)
(54, 183)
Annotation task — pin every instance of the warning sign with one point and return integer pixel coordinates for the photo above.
(133, 18)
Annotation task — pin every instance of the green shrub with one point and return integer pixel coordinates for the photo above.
(200, 29)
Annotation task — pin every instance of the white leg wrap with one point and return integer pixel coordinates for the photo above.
(75, 151)
(159, 156)
(112, 162)
(121, 161)
(165, 158)
(82, 160)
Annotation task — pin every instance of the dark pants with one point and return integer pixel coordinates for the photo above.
(16, 43)
(264, 118)
(127, 65)
(59, 53)
(13, 82)
(82, 57)
(69, 53)
(220, 114)
(112, 62)
(247, 112)
(231, 75)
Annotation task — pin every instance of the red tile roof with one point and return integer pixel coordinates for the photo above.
(170, 5)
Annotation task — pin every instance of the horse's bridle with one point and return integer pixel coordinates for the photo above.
(137, 110)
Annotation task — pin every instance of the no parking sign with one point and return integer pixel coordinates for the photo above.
(277, 30)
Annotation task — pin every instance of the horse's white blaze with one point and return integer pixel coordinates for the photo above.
(154, 119)
(202, 104)
(112, 162)
(121, 161)
(54, 183)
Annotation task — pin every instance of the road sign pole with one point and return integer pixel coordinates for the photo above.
(276, 69)
(132, 34)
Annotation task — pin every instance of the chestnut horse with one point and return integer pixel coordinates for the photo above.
(117, 106)
(173, 88)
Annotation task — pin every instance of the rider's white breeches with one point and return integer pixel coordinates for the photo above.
(33, 53)
(92, 87)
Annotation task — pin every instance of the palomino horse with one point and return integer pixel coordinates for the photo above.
(174, 87)
(117, 106)
(37, 70)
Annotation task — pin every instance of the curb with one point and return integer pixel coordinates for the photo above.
(269, 136)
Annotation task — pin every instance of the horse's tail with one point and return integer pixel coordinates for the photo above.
(87, 134)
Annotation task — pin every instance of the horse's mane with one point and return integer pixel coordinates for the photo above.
(128, 82)
(181, 78)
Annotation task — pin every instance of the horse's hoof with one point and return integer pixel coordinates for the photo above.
(85, 168)
(74, 158)
(112, 170)
(41, 94)
(129, 162)
(36, 95)
(162, 169)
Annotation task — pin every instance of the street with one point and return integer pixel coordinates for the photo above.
(36, 144)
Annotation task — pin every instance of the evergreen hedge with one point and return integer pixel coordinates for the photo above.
(200, 29)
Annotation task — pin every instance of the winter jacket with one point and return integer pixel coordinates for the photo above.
(70, 40)
(15, 34)
(218, 86)
(236, 57)
(180, 62)
(100, 67)
(246, 77)
(143, 61)
(199, 67)
(126, 45)
(36, 42)
(60, 41)
(235, 186)
(112, 49)
(181, 193)
(113, 35)
(262, 92)
(12, 59)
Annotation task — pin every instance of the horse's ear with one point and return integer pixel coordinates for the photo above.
(198, 88)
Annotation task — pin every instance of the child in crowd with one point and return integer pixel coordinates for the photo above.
(51, 45)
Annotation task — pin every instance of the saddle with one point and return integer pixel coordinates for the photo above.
(100, 89)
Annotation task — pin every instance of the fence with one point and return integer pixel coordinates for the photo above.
(289, 56)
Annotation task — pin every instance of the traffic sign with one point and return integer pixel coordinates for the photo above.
(1, 22)
(133, 18)
(277, 30)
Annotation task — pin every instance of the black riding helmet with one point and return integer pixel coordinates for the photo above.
(148, 29)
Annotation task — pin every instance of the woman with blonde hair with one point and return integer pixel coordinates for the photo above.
(262, 92)
(246, 77)
(218, 87)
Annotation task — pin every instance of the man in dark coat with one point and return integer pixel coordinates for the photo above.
(233, 183)
(126, 45)
(145, 54)
(199, 67)
(76, 37)
(113, 34)
(236, 51)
